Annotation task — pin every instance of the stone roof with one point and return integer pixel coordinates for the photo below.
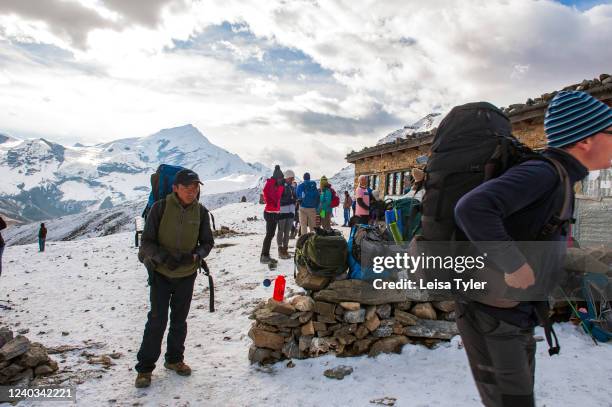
(599, 87)
(413, 140)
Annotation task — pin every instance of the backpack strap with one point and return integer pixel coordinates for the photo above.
(541, 309)
(563, 216)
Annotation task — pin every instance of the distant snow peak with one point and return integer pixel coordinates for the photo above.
(427, 123)
(84, 177)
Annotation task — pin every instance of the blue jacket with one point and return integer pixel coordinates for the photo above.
(308, 194)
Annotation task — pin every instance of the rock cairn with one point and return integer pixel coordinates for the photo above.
(22, 360)
(348, 318)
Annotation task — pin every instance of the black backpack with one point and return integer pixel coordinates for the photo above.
(473, 144)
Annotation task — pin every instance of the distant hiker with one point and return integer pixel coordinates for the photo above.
(325, 200)
(295, 227)
(346, 206)
(308, 199)
(362, 207)
(2, 244)
(243, 199)
(415, 189)
(519, 206)
(176, 237)
(272, 192)
(286, 215)
(42, 237)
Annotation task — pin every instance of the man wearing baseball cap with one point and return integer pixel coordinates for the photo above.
(176, 237)
(517, 206)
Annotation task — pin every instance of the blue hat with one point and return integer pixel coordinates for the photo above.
(572, 116)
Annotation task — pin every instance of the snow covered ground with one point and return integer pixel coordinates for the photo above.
(95, 290)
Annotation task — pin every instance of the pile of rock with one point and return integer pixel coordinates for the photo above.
(348, 318)
(586, 85)
(22, 360)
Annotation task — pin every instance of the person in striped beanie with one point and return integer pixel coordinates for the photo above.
(520, 205)
(582, 125)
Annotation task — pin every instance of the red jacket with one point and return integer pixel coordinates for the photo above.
(272, 195)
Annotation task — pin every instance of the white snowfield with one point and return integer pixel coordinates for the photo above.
(95, 289)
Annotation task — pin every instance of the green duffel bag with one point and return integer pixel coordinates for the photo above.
(324, 256)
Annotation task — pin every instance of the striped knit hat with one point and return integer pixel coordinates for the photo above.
(572, 116)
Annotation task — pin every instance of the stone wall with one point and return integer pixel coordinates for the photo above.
(530, 132)
(593, 221)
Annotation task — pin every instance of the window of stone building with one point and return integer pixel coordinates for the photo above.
(406, 182)
(397, 184)
(373, 182)
(389, 184)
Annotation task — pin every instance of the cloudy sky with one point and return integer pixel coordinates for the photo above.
(300, 82)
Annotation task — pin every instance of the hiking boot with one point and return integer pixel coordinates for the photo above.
(283, 253)
(143, 380)
(179, 367)
(266, 259)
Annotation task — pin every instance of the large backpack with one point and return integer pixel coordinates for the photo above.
(366, 238)
(323, 253)
(472, 145)
(406, 214)
(335, 201)
(161, 184)
(311, 194)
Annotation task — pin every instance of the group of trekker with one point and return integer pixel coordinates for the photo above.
(498, 339)
(292, 209)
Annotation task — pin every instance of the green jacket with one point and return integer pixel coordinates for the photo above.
(173, 234)
(325, 200)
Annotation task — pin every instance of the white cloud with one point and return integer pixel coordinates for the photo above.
(385, 62)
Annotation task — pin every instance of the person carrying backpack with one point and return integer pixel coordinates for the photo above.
(518, 205)
(2, 244)
(42, 237)
(346, 206)
(308, 201)
(362, 199)
(286, 215)
(325, 201)
(176, 237)
(272, 192)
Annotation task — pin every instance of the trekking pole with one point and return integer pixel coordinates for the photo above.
(211, 284)
(575, 311)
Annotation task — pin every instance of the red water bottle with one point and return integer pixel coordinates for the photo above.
(279, 288)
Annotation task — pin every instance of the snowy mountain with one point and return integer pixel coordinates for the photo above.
(344, 180)
(427, 123)
(43, 180)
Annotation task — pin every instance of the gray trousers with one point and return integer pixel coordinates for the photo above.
(501, 356)
(284, 230)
